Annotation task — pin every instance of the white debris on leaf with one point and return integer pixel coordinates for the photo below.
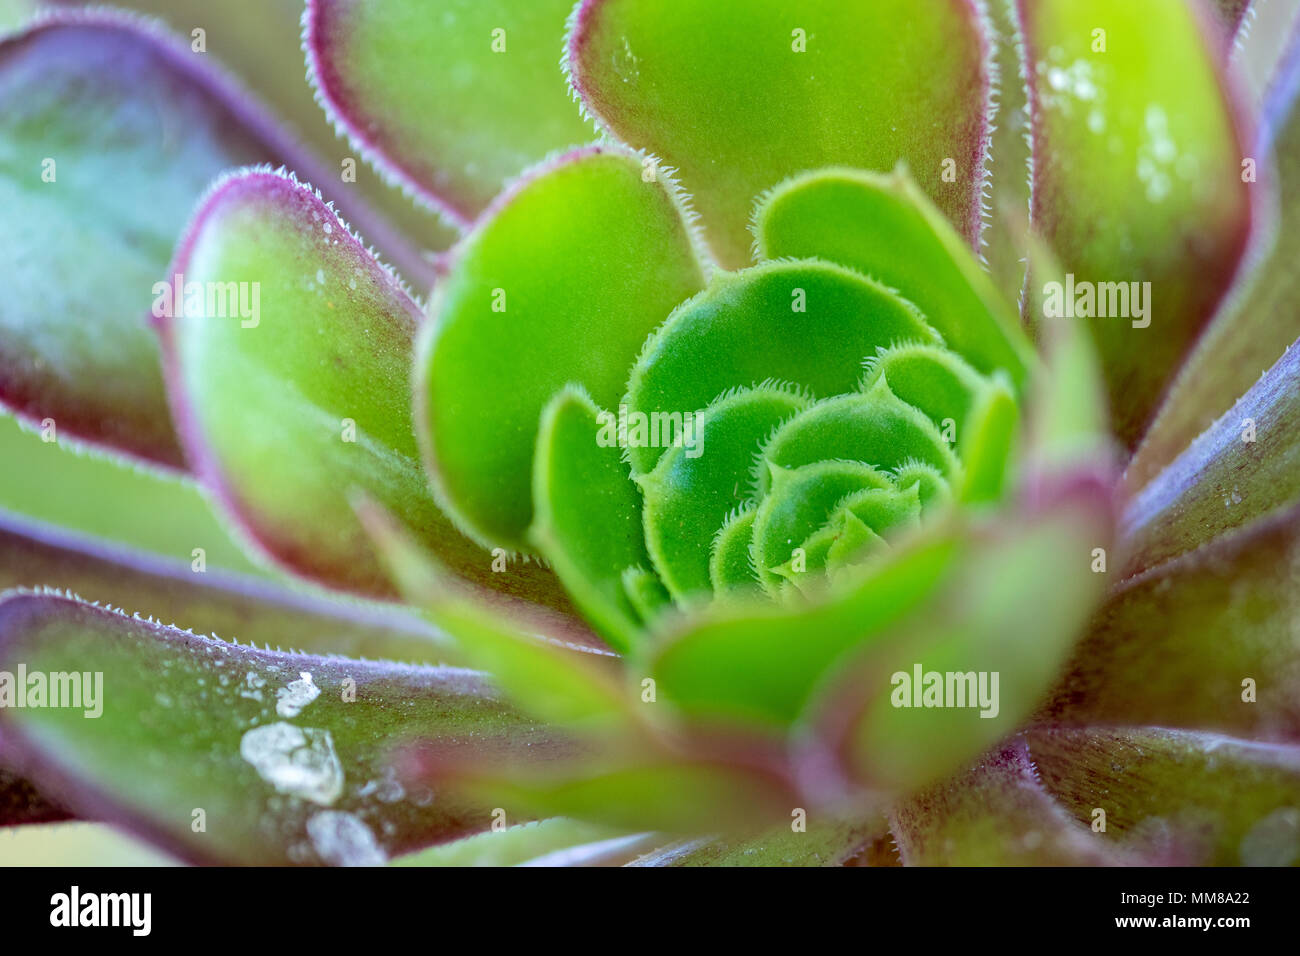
(343, 840)
(252, 686)
(299, 761)
(289, 701)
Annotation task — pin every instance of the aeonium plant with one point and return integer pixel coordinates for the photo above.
(758, 483)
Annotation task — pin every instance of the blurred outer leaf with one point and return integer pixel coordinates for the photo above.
(257, 40)
(1172, 647)
(587, 515)
(773, 655)
(1192, 799)
(546, 678)
(1242, 467)
(995, 814)
(883, 226)
(192, 723)
(1233, 16)
(1008, 181)
(741, 95)
(1262, 317)
(105, 100)
(671, 794)
(512, 846)
(824, 844)
(541, 295)
(1137, 178)
(227, 606)
(1012, 607)
(284, 414)
(20, 803)
(452, 102)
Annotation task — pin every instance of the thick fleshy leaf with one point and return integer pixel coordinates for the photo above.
(664, 792)
(883, 226)
(1257, 323)
(289, 406)
(587, 514)
(546, 677)
(1244, 466)
(773, 655)
(741, 95)
(948, 681)
(255, 40)
(1206, 641)
(1189, 799)
(96, 184)
(807, 322)
(696, 486)
(229, 607)
(521, 845)
(822, 844)
(995, 814)
(1137, 179)
(283, 754)
(452, 103)
(560, 283)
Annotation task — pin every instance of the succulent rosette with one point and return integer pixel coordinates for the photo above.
(726, 453)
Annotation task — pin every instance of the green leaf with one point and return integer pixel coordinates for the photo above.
(831, 843)
(808, 323)
(1203, 642)
(1245, 466)
(696, 485)
(1260, 320)
(759, 662)
(741, 95)
(553, 678)
(452, 103)
(587, 515)
(1006, 615)
(189, 724)
(290, 405)
(997, 813)
(1185, 799)
(518, 845)
(540, 296)
(96, 185)
(884, 226)
(1137, 179)
(800, 501)
(873, 427)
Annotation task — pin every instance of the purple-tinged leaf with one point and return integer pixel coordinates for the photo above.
(112, 131)
(995, 814)
(1176, 797)
(256, 40)
(1206, 641)
(1137, 182)
(227, 606)
(1261, 318)
(451, 102)
(739, 96)
(293, 404)
(282, 757)
(1244, 466)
